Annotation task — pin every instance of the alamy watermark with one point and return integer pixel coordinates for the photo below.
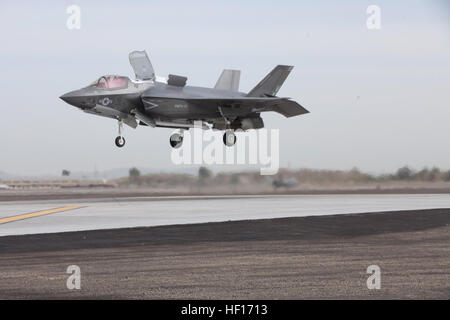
(253, 147)
(373, 22)
(74, 280)
(374, 280)
(74, 19)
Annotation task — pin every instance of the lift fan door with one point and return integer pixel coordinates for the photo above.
(142, 66)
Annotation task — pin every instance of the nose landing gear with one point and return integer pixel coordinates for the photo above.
(120, 140)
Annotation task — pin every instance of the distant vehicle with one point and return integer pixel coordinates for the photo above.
(65, 173)
(286, 183)
(171, 104)
(4, 186)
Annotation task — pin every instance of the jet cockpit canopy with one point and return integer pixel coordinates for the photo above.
(110, 82)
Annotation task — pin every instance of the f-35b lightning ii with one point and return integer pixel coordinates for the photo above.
(172, 104)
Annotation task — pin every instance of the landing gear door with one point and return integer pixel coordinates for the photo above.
(142, 66)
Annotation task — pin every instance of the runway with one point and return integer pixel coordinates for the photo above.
(50, 216)
(321, 257)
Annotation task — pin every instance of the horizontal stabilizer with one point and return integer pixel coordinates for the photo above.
(269, 86)
(229, 80)
(289, 108)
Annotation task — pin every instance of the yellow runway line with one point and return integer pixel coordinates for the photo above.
(37, 214)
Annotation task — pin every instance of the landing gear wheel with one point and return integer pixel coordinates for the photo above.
(229, 138)
(176, 140)
(120, 141)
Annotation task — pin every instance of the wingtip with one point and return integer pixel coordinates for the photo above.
(284, 66)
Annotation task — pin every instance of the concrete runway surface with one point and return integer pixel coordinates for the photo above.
(49, 216)
(318, 257)
(282, 247)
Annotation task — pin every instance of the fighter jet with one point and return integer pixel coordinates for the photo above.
(149, 101)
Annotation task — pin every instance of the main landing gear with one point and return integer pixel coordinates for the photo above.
(176, 140)
(229, 138)
(120, 140)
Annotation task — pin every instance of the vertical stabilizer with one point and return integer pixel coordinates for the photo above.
(270, 85)
(229, 80)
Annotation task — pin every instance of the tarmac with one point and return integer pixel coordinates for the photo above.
(315, 257)
(64, 215)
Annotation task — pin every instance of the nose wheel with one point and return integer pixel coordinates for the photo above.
(229, 138)
(120, 140)
(176, 140)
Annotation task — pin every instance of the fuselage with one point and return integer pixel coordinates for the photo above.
(156, 99)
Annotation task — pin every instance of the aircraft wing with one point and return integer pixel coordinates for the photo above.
(284, 106)
(216, 99)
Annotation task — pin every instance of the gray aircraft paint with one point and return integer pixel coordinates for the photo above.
(173, 104)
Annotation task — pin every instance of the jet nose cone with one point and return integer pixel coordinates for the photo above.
(65, 97)
(70, 98)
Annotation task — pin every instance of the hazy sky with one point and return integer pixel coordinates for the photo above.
(378, 99)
